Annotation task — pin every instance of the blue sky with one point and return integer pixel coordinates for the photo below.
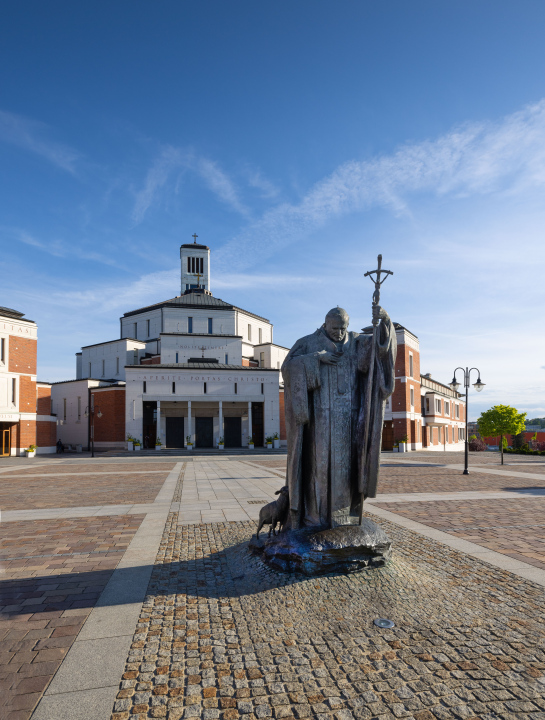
(298, 140)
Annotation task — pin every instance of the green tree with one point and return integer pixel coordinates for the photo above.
(501, 420)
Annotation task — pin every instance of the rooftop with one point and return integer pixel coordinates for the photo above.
(193, 300)
(13, 314)
(200, 366)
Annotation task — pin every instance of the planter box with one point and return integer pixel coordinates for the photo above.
(396, 449)
(130, 446)
(276, 444)
(221, 447)
(402, 447)
(189, 446)
(269, 446)
(158, 447)
(31, 454)
(138, 448)
(251, 446)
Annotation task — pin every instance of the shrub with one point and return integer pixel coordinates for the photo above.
(539, 446)
(477, 445)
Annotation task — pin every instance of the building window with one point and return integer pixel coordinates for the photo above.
(447, 408)
(260, 336)
(410, 365)
(3, 350)
(144, 387)
(176, 357)
(64, 410)
(412, 396)
(135, 357)
(90, 375)
(135, 325)
(236, 388)
(210, 326)
(262, 359)
(173, 388)
(205, 388)
(226, 359)
(117, 366)
(79, 409)
(189, 324)
(202, 265)
(431, 436)
(148, 326)
(103, 368)
(427, 405)
(262, 388)
(438, 407)
(14, 391)
(457, 407)
(188, 265)
(249, 332)
(439, 434)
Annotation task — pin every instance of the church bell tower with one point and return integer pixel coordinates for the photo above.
(195, 267)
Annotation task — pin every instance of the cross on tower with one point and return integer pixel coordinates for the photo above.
(195, 236)
(203, 348)
(198, 279)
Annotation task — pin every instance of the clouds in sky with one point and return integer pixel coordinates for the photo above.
(33, 137)
(480, 158)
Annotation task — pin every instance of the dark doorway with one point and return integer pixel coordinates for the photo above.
(257, 424)
(204, 431)
(388, 435)
(149, 424)
(5, 439)
(232, 427)
(175, 432)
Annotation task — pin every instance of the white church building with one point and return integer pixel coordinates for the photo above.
(193, 368)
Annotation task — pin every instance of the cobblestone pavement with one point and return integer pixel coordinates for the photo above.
(410, 478)
(52, 575)
(222, 636)
(19, 491)
(515, 528)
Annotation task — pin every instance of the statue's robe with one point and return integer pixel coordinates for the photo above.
(325, 410)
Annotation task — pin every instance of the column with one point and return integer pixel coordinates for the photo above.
(250, 418)
(158, 423)
(220, 403)
(189, 423)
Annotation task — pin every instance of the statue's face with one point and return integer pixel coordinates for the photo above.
(336, 328)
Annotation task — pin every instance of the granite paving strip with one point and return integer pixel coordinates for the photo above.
(52, 574)
(215, 490)
(222, 636)
(85, 685)
(82, 466)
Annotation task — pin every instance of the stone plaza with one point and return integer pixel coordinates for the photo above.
(128, 592)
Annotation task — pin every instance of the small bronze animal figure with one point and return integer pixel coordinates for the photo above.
(275, 512)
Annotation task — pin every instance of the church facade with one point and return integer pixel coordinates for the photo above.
(191, 369)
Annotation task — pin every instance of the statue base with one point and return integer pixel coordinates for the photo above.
(311, 551)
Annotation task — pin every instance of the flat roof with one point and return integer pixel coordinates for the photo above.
(104, 380)
(185, 334)
(108, 342)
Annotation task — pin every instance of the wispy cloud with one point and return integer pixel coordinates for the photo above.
(60, 249)
(171, 159)
(32, 136)
(479, 158)
(266, 188)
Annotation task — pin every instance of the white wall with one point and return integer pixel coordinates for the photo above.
(73, 431)
(176, 320)
(243, 320)
(125, 350)
(274, 355)
(141, 332)
(188, 346)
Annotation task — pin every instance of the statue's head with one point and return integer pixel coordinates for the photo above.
(336, 324)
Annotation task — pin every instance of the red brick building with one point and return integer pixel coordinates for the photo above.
(25, 404)
(427, 414)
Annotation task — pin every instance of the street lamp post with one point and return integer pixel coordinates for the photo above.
(478, 387)
(90, 412)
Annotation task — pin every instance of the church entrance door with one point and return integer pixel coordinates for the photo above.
(257, 424)
(204, 430)
(232, 427)
(175, 432)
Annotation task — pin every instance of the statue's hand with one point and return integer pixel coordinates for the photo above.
(379, 314)
(330, 358)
